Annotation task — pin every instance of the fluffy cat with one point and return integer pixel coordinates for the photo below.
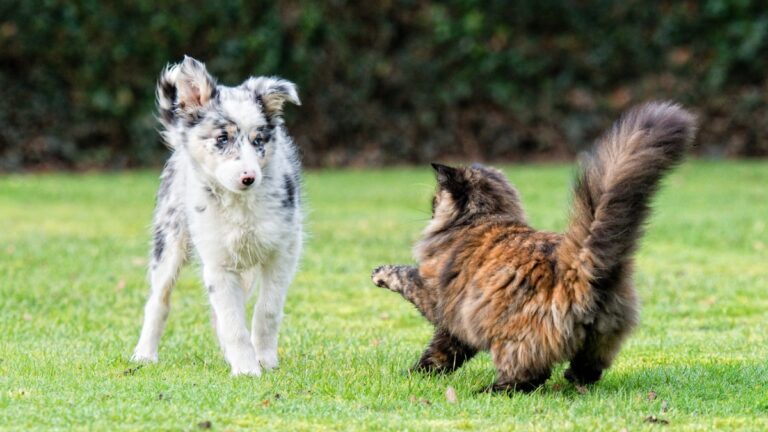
(488, 281)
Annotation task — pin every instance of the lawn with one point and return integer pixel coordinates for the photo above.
(73, 251)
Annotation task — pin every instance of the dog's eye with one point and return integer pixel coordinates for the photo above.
(222, 140)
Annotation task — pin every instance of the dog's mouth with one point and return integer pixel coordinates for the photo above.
(241, 188)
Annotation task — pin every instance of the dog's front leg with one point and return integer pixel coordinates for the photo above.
(276, 276)
(228, 302)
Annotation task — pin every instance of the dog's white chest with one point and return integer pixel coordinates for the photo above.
(241, 235)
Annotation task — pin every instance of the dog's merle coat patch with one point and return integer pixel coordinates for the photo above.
(159, 243)
(223, 192)
(290, 192)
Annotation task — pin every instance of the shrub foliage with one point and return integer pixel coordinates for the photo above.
(386, 81)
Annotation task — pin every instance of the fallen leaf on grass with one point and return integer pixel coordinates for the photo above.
(414, 400)
(654, 419)
(18, 393)
(27, 317)
(581, 389)
(265, 403)
(651, 395)
(131, 371)
(450, 395)
(375, 342)
(384, 316)
(120, 285)
(709, 301)
(664, 406)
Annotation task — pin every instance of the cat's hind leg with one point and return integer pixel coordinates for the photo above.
(444, 354)
(519, 368)
(595, 355)
(604, 337)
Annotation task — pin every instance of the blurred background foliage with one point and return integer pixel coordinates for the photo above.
(383, 81)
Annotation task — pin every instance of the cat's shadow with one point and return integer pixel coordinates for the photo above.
(675, 377)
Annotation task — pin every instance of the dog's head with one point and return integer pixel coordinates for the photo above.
(230, 132)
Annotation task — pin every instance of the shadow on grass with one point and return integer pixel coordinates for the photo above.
(704, 380)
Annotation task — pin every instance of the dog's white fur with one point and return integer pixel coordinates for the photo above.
(243, 234)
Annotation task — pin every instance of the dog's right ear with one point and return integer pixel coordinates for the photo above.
(195, 86)
(273, 92)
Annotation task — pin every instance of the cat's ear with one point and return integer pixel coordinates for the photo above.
(453, 180)
(274, 92)
(195, 85)
(445, 174)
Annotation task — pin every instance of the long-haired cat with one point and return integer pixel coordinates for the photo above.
(488, 281)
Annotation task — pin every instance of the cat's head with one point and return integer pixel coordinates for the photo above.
(467, 193)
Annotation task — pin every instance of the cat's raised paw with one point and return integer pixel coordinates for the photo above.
(378, 276)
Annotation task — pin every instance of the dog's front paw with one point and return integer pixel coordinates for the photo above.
(250, 369)
(378, 276)
(243, 362)
(267, 359)
(144, 356)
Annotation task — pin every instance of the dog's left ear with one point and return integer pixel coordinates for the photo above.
(274, 92)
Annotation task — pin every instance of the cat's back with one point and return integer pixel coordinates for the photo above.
(494, 270)
(511, 262)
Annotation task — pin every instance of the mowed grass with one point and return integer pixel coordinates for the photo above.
(73, 253)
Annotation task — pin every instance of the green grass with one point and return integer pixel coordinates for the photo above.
(72, 285)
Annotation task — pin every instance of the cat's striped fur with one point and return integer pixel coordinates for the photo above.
(488, 281)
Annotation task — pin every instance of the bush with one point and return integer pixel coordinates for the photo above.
(383, 82)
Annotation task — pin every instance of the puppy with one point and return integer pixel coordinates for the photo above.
(231, 190)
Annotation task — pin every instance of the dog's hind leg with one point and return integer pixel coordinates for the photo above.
(276, 276)
(169, 252)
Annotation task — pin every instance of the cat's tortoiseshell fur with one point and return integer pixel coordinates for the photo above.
(488, 281)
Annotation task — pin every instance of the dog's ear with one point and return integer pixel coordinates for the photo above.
(274, 92)
(196, 87)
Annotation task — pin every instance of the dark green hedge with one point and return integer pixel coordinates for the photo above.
(383, 81)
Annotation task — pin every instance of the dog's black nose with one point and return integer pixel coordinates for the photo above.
(247, 180)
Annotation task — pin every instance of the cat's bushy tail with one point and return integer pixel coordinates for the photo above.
(612, 193)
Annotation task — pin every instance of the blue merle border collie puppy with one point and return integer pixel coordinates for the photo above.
(231, 190)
